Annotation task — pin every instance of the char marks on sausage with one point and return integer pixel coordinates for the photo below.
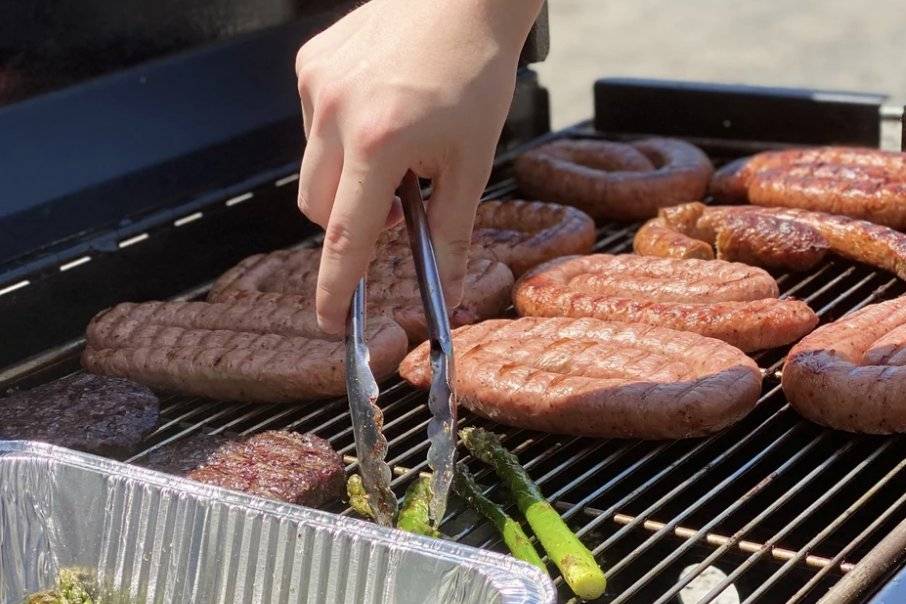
(786, 238)
(615, 181)
(392, 284)
(851, 374)
(266, 352)
(523, 234)
(869, 184)
(595, 378)
(728, 301)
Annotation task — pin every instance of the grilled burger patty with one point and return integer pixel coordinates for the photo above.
(786, 238)
(615, 181)
(102, 415)
(392, 284)
(286, 466)
(266, 352)
(851, 374)
(861, 183)
(523, 234)
(728, 301)
(594, 378)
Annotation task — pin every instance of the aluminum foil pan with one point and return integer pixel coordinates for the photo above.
(150, 537)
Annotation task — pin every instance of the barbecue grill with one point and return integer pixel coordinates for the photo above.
(773, 509)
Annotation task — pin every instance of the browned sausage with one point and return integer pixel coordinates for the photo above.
(610, 181)
(392, 284)
(593, 378)
(860, 183)
(805, 238)
(728, 301)
(523, 234)
(851, 374)
(263, 352)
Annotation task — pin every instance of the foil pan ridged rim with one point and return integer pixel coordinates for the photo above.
(167, 539)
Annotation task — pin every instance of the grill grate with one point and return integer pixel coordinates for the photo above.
(782, 507)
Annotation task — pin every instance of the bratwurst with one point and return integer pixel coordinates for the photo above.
(392, 284)
(523, 234)
(860, 183)
(266, 352)
(786, 238)
(615, 181)
(589, 377)
(851, 374)
(728, 301)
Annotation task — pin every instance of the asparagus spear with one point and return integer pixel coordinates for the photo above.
(579, 567)
(413, 516)
(513, 535)
(358, 498)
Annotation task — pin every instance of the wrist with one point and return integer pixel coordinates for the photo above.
(508, 22)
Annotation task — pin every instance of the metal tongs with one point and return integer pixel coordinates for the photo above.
(367, 417)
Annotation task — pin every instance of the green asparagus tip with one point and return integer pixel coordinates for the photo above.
(480, 442)
(413, 516)
(358, 498)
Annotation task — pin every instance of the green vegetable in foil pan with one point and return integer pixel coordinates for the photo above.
(74, 586)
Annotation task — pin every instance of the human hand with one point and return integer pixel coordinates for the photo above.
(401, 85)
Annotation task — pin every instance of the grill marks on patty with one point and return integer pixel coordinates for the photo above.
(285, 466)
(102, 415)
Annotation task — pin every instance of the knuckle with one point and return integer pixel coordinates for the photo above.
(328, 99)
(457, 250)
(375, 138)
(339, 241)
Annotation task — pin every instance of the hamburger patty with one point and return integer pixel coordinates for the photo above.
(281, 465)
(588, 377)
(101, 415)
(266, 352)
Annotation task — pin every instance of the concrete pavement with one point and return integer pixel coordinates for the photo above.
(832, 44)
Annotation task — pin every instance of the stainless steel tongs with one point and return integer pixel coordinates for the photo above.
(367, 418)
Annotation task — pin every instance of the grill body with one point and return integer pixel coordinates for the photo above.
(782, 508)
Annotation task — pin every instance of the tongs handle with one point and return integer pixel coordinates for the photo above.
(425, 261)
(441, 398)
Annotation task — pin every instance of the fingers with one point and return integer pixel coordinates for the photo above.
(451, 216)
(319, 177)
(363, 202)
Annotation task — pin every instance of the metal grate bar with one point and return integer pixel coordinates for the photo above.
(744, 468)
(871, 528)
(738, 535)
(716, 539)
(788, 565)
(823, 498)
(594, 469)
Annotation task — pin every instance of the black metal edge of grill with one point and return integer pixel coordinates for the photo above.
(647, 509)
